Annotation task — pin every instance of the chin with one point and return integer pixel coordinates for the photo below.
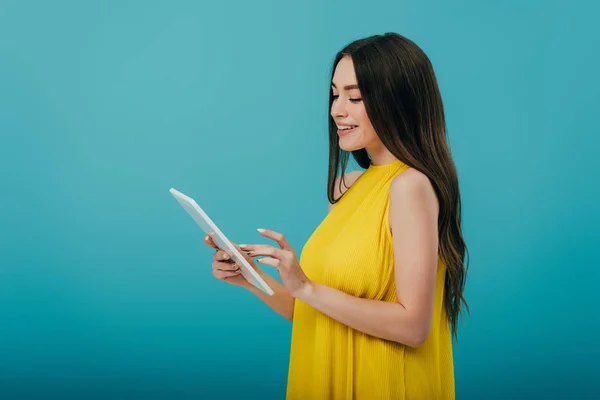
(348, 144)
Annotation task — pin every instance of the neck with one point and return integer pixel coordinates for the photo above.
(380, 155)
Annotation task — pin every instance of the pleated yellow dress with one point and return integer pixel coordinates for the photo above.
(352, 250)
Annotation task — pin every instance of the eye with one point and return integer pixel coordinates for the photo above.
(335, 96)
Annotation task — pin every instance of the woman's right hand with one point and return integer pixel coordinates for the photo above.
(224, 268)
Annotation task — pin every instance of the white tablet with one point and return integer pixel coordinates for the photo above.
(209, 227)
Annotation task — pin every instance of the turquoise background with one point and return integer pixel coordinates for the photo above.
(105, 284)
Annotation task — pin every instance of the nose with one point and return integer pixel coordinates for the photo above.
(338, 109)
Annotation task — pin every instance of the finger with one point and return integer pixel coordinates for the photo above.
(247, 248)
(224, 274)
(270, 261)
(210, 242)
(276, 236)
(264, 250)
(221, 255)
(243, 251)
(225, 266)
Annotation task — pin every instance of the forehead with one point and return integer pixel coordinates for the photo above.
(344, 73)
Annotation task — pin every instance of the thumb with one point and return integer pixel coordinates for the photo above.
(208, 240)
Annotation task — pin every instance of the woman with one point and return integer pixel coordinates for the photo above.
(375, 296)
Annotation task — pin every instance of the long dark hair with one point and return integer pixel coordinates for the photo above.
(403, 102)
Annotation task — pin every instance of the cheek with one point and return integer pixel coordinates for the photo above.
(368, 134)
(363, 120)
(360, 114)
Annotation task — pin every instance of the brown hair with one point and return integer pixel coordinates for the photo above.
(402, 99)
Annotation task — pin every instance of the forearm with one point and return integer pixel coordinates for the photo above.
(281, 301)
(386, 320)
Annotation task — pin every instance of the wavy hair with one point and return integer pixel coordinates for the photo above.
(403, 102)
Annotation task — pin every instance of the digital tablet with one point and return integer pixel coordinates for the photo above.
(211, 229)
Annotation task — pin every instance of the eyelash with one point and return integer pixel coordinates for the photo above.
(352, 100)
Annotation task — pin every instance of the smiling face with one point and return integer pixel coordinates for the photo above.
(348, 110)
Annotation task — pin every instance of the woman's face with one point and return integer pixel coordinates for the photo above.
(348, 110)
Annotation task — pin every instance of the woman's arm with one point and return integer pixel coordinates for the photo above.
(281, 301)
(413, 220)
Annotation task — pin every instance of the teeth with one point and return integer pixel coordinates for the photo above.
(348, 127)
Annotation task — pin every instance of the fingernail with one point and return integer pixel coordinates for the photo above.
(242, 246)
(226, 256)
(261, 230)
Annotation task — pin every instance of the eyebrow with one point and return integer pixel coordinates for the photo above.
(347, 87)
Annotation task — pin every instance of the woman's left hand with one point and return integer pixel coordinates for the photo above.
(283, 258)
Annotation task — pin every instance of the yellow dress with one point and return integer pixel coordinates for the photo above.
(352, 250)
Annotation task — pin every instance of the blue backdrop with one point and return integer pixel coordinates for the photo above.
(105, 284)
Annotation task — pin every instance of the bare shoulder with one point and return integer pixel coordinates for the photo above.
(349, 179)
(411, 179)
(412, 190)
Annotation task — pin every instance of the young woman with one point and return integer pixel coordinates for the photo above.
(376, 294)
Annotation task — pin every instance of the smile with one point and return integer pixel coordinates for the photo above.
(343, 132)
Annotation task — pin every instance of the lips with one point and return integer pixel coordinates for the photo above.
(344, 126)
(344, 132)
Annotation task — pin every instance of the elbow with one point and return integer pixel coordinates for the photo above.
(417, 336)
(418, 341)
